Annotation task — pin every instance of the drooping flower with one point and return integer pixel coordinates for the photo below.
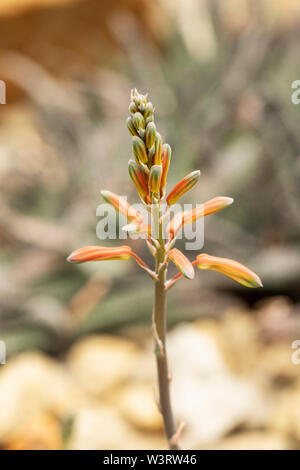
(99, 253)
(182, 263)
(236, 271)
(183, 186)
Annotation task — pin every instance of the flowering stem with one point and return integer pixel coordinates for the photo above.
(159, 328)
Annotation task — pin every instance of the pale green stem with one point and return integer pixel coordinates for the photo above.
(159, 326)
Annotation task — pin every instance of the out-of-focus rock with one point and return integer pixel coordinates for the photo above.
(238, 334)
(42, 432)
(136, 402)
(253, 440)
(276, 366)
(30, 383)
(286, 413)
(207, 395)
(278, 318)
(100, 363)
(101, 427)
(98, 427)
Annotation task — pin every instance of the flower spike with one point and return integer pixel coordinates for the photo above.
(99, 253)
(182, 263)
(121, 205)
(183, 186)
(149, 169)
(236, 271)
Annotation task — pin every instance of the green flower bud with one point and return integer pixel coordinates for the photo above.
(150, 134)
(131, 127)
(138, 177)
(148, 110)
(138, 121)
(158, 149)
(132, 108)
(154, 179)
(139, 149)
(166, 159)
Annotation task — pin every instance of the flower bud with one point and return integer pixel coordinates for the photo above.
(131, 127)
(154, 179)
(183, 186)
(138, 177)
(166, 159)
(139, 149)
(138, 121)
(151, 153)
(150, 134)
(132, 108)
(158, 149)
(148, 110)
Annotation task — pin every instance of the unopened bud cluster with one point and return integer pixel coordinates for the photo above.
(151, 162)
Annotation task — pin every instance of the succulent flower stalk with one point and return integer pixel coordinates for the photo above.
(149, 172)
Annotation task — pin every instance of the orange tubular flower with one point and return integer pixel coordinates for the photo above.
(229, 268)
(182, 263)
(99, 253)
(210, 207)
(183, 186)
(121, 205)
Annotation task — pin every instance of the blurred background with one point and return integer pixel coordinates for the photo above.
(79, 371)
